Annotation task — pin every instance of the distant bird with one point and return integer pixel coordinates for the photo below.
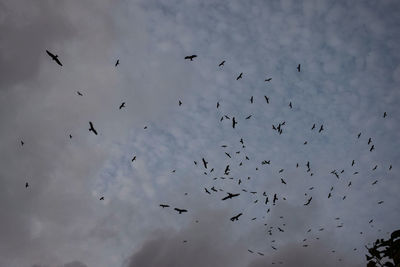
(213, 189)
(204, 163)
(22, 143)
(117, 63)
(134, 158)
(329, 195)
(298, 67)
(240, 76)
(371, 221)
(283, 181)
(305, 143)
(359, 134)
(321, 129)
(222, 63)
(26, 185)
(380, 202)
(164, 205)
(217, 104)
(390, 167)
(369, 141)
(275, 199)
(180, 103)
(374, 182)
(313, 127)
(234, 122)
(266, 99)
(280, 230)
(79, 93)
(92, 128)
(308, 201)
(54, 57)
(372, 148)
(145, 127)
(241, 141)
(290, 104)
(349, 184)
(236, 217)
(268, 80)
(251, 99)
(122, 105)
(259, 253)
(180, 210)
(376, 166)
(208, 192)
(195, 162)
(70, 136)
(352, 163)
(230, 195)
(248, 117)
(102, 198)
(273, 247)
(384, 114)
(191, 57)
(250, 251)
(228, 155)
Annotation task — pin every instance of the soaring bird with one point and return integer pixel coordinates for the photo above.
(217, 104)
(222, 63)
(70, 136)
(204, 163)
(164, 205)
(266, 99)
(234, 122)
(352, 163)
(390, 167)
(372, 148)
(236, 217)
(308, 201)
(283, 181)
(92, 128)
(230, 195)
(122, 105)
(22, 143)
(26, 185)
(79, 93)
(240, 76)
(117, 63)
(380, 202)
(358, 135)
(102, 198)
(321, 129)
(290, 104)
(374, 182)
(180, 210)
(275, 199)
(384, 114)
(134, 158)
(268, 80)
(191, 57)
(54, 57)
(248, 117)
(313, 127)
(298, 67)
(251, 99)
(213, 189)
(228, 155)
(208, 192)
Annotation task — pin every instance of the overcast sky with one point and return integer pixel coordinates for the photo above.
(349, 53)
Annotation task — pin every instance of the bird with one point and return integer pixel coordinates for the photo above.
(390, 167)
(251, 99)
(180, 210)
(92, 128)
(266, 99)
(213, 189)
(384, 114)
(102, 198)
(370, 221)
(380, 202)
(275, 199)
(250, 251)
(122, 105)
(372, 148)
(234, 122)
(248, 117)
(313, 127)
(321, 129)
(298, 67)
(26, 185)
(230, 195)
(376, 166)
(180, 103)
(164, 205)
(352, 163)
(329, 195)
(369, 141)
(70, 136)
(280, 230)
(134, 158)
(259, 253)
(240, 76)
(22, 143)
(217, 104)
(228, 155)
(359, 134)
(204, 163)
(308, 201)
(236, 217)
(268, 80)
(283, 181)
(117, 63)
(79, 93)
(374, 182)
(222, 63)
(191, 57)
(290, 104)
(349, 184)
(54, 57)
(208, 192)
(305, 143)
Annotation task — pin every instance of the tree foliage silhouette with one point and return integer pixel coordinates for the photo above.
(385, 252)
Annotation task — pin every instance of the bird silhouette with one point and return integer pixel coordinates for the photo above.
(70, 136)
(26, 185)
(236, 217)
(117, 63)
(372, 148)
(217, 104)
(248, 117)
(228, 155)
(102, 198)
(251, 99)
(313, 127)
(164, 205)
(180, 103)
(92, 128)
(222, 63)
(308, 201)
(321, 129)
(234, 122)
(204, 163)
(268, 80)
(290, 104)
(134, 158)
(369, 141)
(191, 57)
(79, 93)
(240, 76)
(275, 199)
(298, 67)
(359, 134)
(384, 114)
(22, 143)
(54, 57)
(122, 105)
(208, 192)
(230, 195)
(266, 99)
(180, 210)
(374, 182)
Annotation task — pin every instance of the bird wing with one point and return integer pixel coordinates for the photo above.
(50, 54)
(58, 61)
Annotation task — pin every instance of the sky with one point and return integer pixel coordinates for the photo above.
(350, 74)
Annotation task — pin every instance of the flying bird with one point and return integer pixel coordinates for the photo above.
(79, 93)
(313, 127)
(251, 99)
(228, 155)
(283, 181)
(22, 143)
(266, 99)
(359, 134)
(384, 114)
(180, 103)
(117, 63)
(234, 122)
(191, 57)
(222, 63)
(217, 104)
(290, 104)
(321, 129)
(372, 148)
(134, 158)
(308, 201)
(26, 185)
(122, 105)
(102, 198)
(298, 67)
(268, 80)
(208, 192)
(180, 210)
(248, 117)
(236, 217)
(275, 199)
(369, 141)
(92, 128)
(230, 195)
(240, 76)
(164, 205)
(204, 163)
(54, 57)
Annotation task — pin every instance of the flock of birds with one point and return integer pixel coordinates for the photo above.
(226, 171)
